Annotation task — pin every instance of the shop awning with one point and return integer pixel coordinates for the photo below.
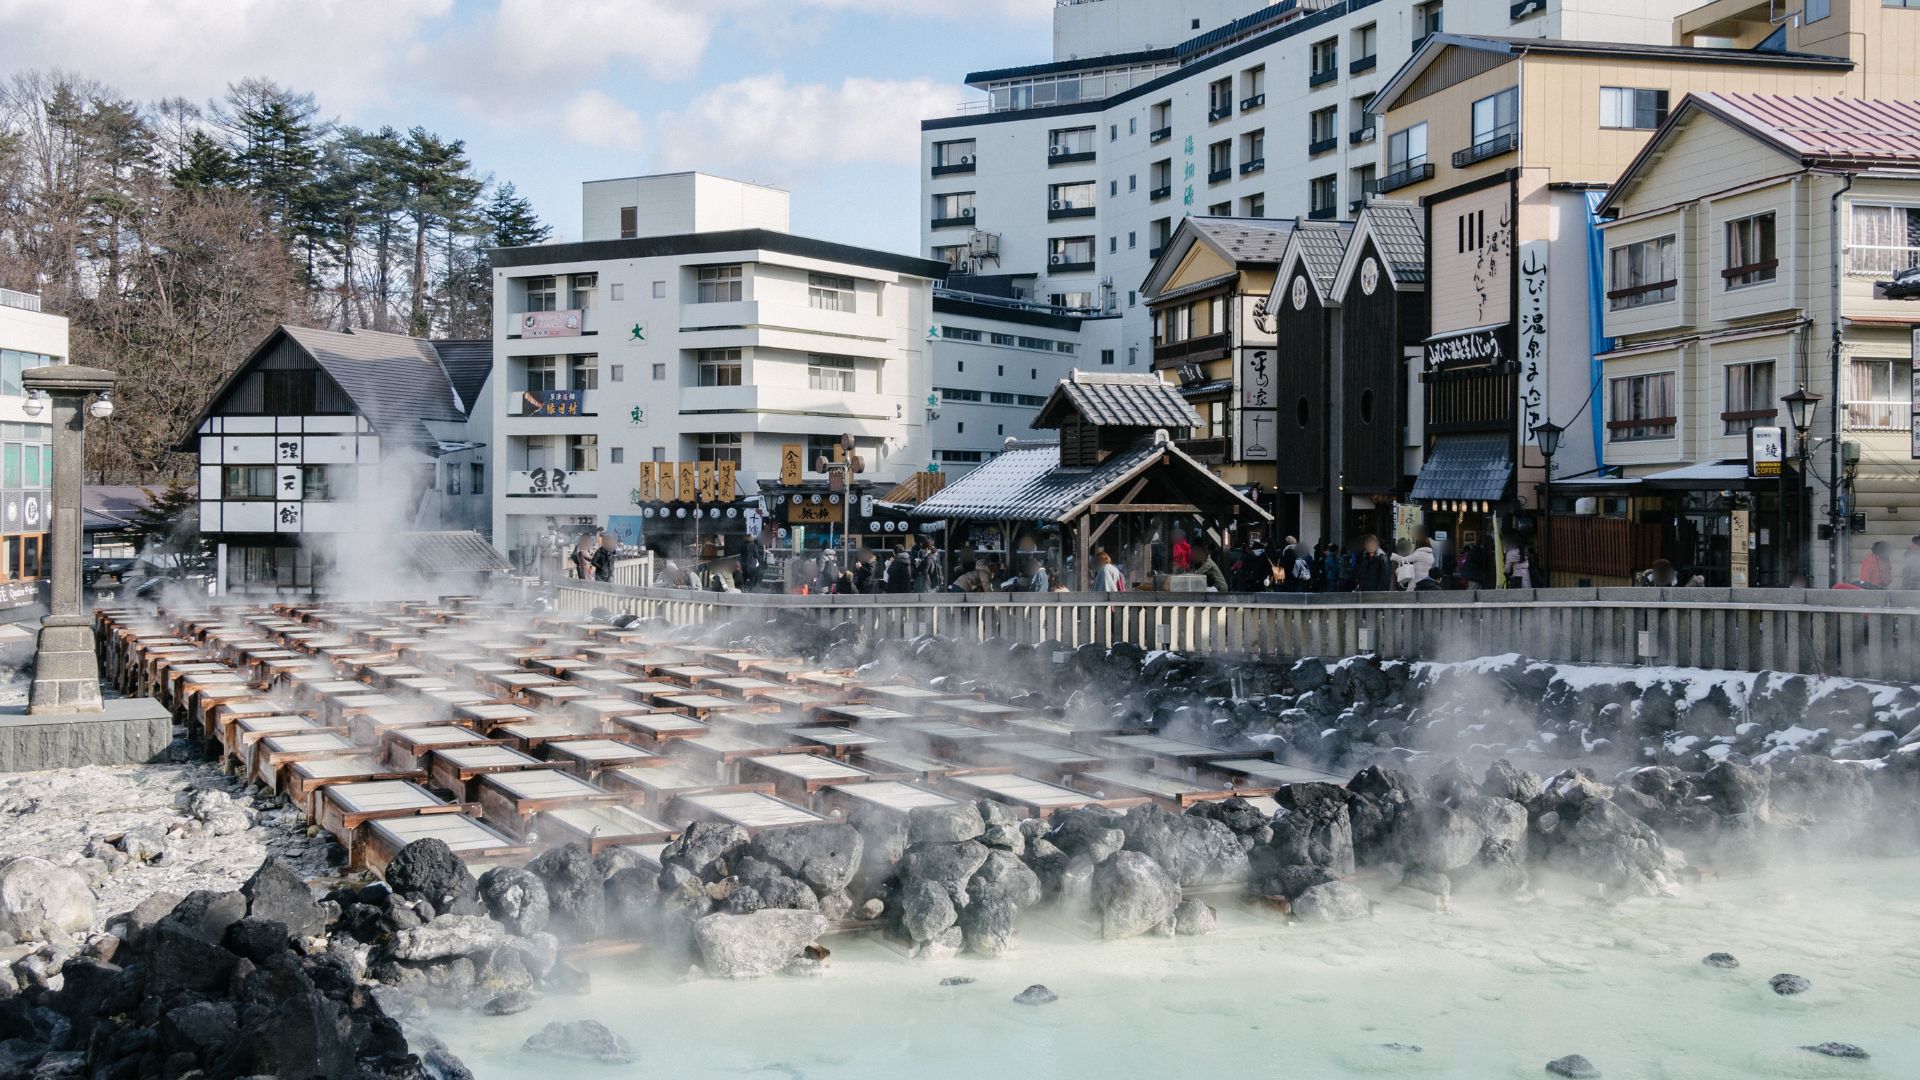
(1710, 474)
(1473, 468)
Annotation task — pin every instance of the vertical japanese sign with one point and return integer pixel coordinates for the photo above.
(1186, 174)
(667, 475)
(792, 464)
(689, 481)
(1255, 437)
(709, 481)
(649, 483)
(727, 471)
(1531, 340)
(287, 483)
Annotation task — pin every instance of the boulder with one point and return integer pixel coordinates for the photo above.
(40, 901)
(1006, 877)
(1132, 895)
(218, 812)
(258, 940)
(1788, 985)
(431, 871)
(1035, 995)
(579, 1040)
(1738, 789)
(179, 959)
(576, 892)
(201, 1029)
(945, 823)
(949, 865)
(1335, 901)
(517, 899)
(1194, 917)
(1433, 836)
(1235, 813)
(987, 925)
(825, 856)
(447, 936)
(1095, 833)
(1505, 780)
(632, 894)
(926, 910)
(704, 848)
(207, 914)
(1271, 878)
(509, 1003)
(749, 946)
(1313, 829)
(305, 1035)
(1573, 1067)
(278, 893)
(1192, 850)
(774, 887)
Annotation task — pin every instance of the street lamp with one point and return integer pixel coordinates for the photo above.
(1800, 411)
(1547, 434)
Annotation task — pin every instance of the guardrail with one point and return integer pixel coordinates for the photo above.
(1869, 635)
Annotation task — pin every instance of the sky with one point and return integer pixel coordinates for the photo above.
(821, 97)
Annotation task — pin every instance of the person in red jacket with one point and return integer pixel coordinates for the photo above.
(1182, 553)
(1877, 568)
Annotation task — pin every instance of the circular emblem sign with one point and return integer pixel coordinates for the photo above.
(1299, 294)
(1369, 276)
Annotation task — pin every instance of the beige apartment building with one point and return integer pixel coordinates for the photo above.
(1725, 236)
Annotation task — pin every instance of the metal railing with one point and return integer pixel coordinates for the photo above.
(23, 301)
(1862, 634)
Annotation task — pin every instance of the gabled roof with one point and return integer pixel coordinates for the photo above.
(1832, 133)
(1398, 234)
(1436, 44)
(468, 364)
(1242, 243)
(1319, 246)
(464, 552)
(1026, 483)
(1117, 400)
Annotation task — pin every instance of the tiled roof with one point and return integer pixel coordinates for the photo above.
(468, 363)
(1827, 129)
(1260, 241)
(1117, 400)
(1322, 245)
(1027, 484)
(1397, 232)
(397, 382)
(1474, 467)
(449, 553)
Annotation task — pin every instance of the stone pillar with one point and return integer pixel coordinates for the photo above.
(66, 673)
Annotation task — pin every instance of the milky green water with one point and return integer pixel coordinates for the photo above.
(1492, 991)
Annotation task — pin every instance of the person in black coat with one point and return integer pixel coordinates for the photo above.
(1373, 570)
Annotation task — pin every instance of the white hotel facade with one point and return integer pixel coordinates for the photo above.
(1071, 174)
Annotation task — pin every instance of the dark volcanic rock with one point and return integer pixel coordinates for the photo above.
(278, 893)
(1721, 960)
(1035, 995)
(430, 870)
(516, 898)
(1192, 850)
(576, 892)
(1132, 895)
(1839, 1050)
(1573, 1067)
(1787, 985)
(825, 856)
(705, 848)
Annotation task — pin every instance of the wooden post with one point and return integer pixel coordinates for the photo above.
(1081, 552)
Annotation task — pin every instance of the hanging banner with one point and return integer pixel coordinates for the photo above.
(793, 464)
(1254, 419)
(1738, 536)
(667, 476)
(709, 481)
(728, 471)
(1532, 336)
(649, 483)
(542, 324)
(689, 481)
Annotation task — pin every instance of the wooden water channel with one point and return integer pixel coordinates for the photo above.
(386, 724)
(1857, 633)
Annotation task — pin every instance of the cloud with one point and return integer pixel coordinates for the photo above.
(349, 52)
(1025, 10)
(595, 119)
(765, 121)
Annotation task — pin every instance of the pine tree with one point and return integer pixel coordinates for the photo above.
(441, 193)
(511, 221)
(170, 522)
(205, 165)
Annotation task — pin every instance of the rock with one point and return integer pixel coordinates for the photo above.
(749, 946)
(987, 924)
(1235, 813)
(447, 936)
(1288, 881)
(1788, 985)
(1505, 780)
(1738, 789)
(1093, 833)
(217, 810)
(705, 848)
(1005, 837)
(502, 971)
(949, 865)
(958, 980)
(517, 899)
(276, 892)
(1335, 901)
(631, 897)
(942, 946)
(146, 913)
(305, 1035)
(1314, 829)
(538, 952)
(207, 914)
(40, 901)
(1839, 1050)
(1573, 1066)
(178, 959)
(1036, 994)
(825, 856)
(946, 823)
(1132, 895)
(200, 1028)
(576, 892)
(431, 871)
(258, 940)
(509, 1003)
(1721, 960)
(1003, 875)
(870, 910)
(142, 845)
(580, 1040)
(926, 909)
(1434, 837)
(1192, 850)
(775, 888)
(1194, 918)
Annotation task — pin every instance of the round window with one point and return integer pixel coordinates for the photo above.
(1366, 406)
(1303, 412)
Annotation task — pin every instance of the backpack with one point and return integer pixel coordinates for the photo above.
(1302, 568)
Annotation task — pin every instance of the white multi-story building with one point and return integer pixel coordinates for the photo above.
(679, 373)
(1072, 174)
(29, 338)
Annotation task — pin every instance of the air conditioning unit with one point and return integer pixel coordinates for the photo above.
(966, 159)
(1058, 260)
(1054, 150)
(1058, 205)
(966, 212)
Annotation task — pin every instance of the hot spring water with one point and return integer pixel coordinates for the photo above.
(1491, 991)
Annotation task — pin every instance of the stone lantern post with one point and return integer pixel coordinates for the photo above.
(66, 676)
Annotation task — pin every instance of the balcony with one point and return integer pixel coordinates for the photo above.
(1154, 251)
(1220, 176)
(1502, 143)
(1060, 155)
(1248, 104)
(553, 483)
(1156, 194)
(963, 166)
(1250, 167)
(533, 325)
(1407, 177)
(1323, 213)
(1323, 146)
(1193, 350)
(1219, 113)
(1365, 63)
(1362, 135)
(1322, 78)
(964, 221)
(1159, 135)
(550, 404)
(1060, 209)
(1067, 264)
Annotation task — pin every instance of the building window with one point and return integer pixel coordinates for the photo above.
(660, 372)
(1133, 239)
(950, 393)
(1162, 119)
(583, 453)
(1749, 396)
(240, 481)
(659, 290)
(616, 455)
(959, 333)
(1882, 240)
(1160, 179)
(1220, 160)
(1326, 59)
(1254, 205)
(542, 295)
(1253, 149)
(830, 373)
(583, 372)
(1220, 99)
(954, 255)
(1323, 194)
(953, 206)
(1815, 10)
(1427, 20)
(543, 374)
(718, 284)
(629, 222)
(1160, 230)
(1070, 251)
(948, 155)
(1106, 357)
(719, 367)
(477, 478)
(1642, 273)
(616, 291)
(616, 372)
(1363, 179)
(717, 446)
(830, 292)
(1253, 86)
(1220, 209)
(1407, 149)
(1495, 116)
(582, 289)
(1076, 196)
(1366, 42)
(1877, 394)
(1323, 128)
(1750, 252)
(1068, 142)
(1630, 109)
(453, 478)
(1642, 408)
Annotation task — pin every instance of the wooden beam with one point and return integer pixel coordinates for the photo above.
(1145, 508)
(1102, 530)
